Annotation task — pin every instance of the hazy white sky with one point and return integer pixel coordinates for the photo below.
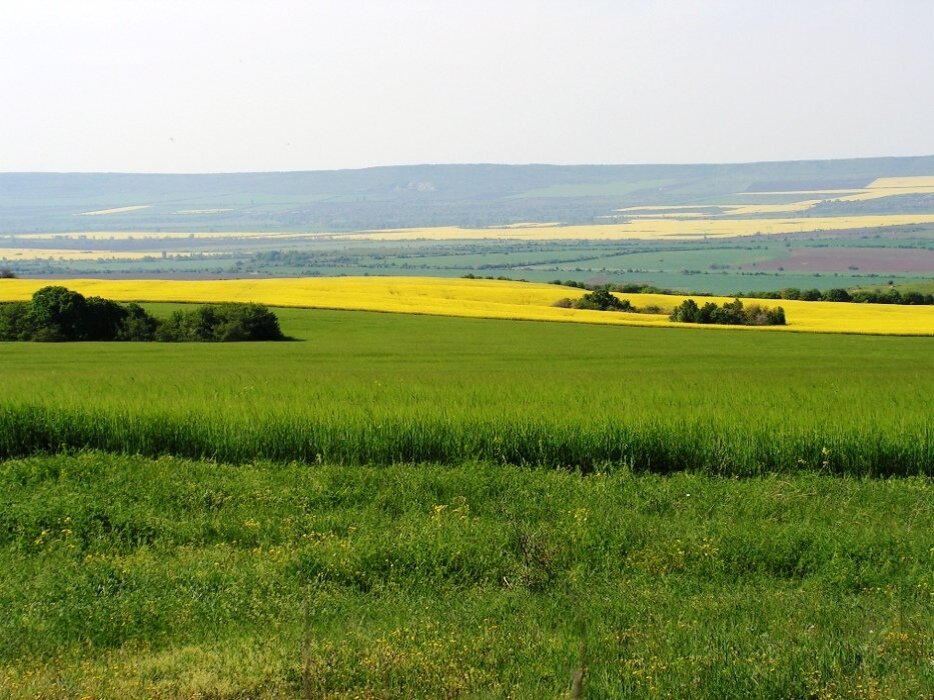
(245, 85)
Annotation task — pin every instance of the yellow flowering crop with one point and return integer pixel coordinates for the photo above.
(644, 228)
(480, 299)
(23, 254)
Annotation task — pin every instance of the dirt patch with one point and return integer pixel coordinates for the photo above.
(849, 260)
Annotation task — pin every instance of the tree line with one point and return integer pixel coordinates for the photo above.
(56, 313)
(864, 296)
(861, 296)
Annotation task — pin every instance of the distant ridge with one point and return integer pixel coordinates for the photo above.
(401, 196)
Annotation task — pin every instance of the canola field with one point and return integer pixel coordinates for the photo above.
(880, 188)
(477, 298)
(14, 255)
(645, 225)
(652, 229)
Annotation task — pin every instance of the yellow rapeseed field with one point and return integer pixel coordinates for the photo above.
(477, 298)
(877, 189)
(903, 182)
(651, 229)
(157, 236)
(24, 254)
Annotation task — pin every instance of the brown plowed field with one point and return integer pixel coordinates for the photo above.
(843, 259)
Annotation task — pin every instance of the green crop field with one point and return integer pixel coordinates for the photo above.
(405, 506)
(374, 388)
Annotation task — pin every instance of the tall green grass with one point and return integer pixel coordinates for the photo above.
(379, 389)
(691, 444)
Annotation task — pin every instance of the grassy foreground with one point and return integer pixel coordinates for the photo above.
(126, 577)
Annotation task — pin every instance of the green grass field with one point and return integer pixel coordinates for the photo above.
(124, 577)
(380, 389)
(404, 506)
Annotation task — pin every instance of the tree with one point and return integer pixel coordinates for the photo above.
(248, 322)
(603, 299)
(58, 314)
(686, 312)
(837, 295)
(16, 321)
(137, 324)
(102, 318)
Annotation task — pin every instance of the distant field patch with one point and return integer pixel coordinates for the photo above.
(650, 229)
(25, 254)
(903, 182)
(115, 210)
(478, 299)
(595, 189)
(893, 260)
(160, 235)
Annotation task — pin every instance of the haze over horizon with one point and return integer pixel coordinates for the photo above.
(242, 86)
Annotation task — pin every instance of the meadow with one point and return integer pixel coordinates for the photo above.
(399, 505)
(124, 577)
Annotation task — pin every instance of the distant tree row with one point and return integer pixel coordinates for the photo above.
(889, 296)
(732, 313)
(60, 314)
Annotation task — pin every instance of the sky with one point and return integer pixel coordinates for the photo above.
(271, 85)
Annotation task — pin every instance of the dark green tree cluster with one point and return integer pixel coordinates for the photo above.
(732, 313)
(59, 314)
(600, 299)
(603, 299)
(221, 323)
